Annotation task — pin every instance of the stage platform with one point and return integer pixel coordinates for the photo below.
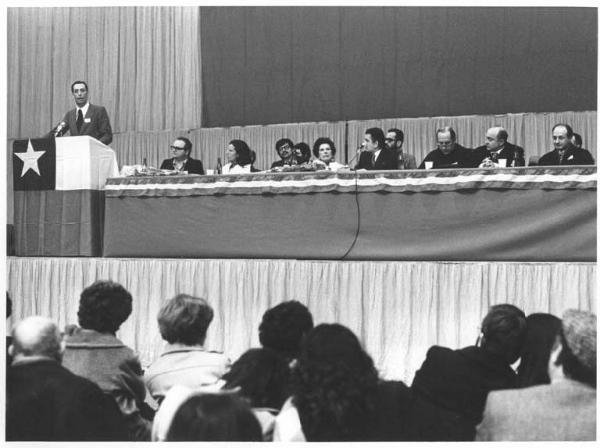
(398, 309)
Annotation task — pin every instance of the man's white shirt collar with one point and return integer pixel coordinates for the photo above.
(84, 109)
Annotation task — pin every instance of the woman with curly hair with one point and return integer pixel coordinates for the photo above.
(324, 151)
(337, 395)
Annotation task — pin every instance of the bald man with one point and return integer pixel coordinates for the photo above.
(44, 401)
(565, 152)
(497, 148)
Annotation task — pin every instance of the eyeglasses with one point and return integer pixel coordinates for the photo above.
(444, 143)
(389, 139)
(286, 146)
(177, 148)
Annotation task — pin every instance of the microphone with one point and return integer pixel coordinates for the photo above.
(60, 129)
(358, 151)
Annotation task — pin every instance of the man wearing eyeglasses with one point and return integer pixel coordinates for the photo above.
(448, 154)
(181, 160)
(394, 140)
(284, 147)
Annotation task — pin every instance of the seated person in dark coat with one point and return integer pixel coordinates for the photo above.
(496, 148)
(47, 402)
(565, 152)
(284, 148)
(181, 161)
(376, 156)
(448, 154)
(458, 381)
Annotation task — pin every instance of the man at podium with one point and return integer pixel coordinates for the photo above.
(86, 118)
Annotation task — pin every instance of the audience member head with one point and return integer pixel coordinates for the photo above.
(324, 149)
(214, 418)
(495, 138)
(374, 139)
(284, 148)
(574, 353)
(540, 336)
(334, 384)
(181, 148)
(283, 327)
(561, 136)
(503, 331)
(302, 151)
(262, 376)
(104, 306)
(185, 319)
(394, 138)
(80, 92)
(238, 153)
(576, 140)
(446, 139)
(36, 337)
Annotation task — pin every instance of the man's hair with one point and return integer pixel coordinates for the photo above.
(187, 144)
(283, 327)
(79, 82)
(185, 319)
(504, 329)
(104, 306)
(377, 136)
(399, 134)
(572, 367)
(566, 126)
(37, 336)
(577, 138)
(281, 142)
(446, 129)
(320, 141)
(502, 135)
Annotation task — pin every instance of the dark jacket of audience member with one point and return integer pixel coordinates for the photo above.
(512, 153)
(94, 352)
(542, 330)
(46, 402)
(283, 327)
(460, 157)
(572, 156)
(459, 380)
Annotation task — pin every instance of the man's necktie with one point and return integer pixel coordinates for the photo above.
(79, 120)
(373, 159)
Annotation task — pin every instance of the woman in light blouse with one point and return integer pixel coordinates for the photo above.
(238, 156)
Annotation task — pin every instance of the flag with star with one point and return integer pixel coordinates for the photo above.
(34, 164)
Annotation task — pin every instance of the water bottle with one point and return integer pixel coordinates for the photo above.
(219, 169)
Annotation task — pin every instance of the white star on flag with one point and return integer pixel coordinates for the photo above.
(30, 159)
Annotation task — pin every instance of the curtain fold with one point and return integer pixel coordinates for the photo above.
(398, 309)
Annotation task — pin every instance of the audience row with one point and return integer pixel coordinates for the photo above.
(525, 378)
(381, 151)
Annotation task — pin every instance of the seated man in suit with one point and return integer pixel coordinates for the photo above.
(394, 140)
(565, 409)
(181, 161)
(496, 148)
(86, 118)
(565, 152)
(448, 154)
(377, 156)
(458, 381)
(46, 402)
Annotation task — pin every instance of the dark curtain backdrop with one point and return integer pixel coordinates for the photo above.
(293, 64)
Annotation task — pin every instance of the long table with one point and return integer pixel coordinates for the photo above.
(510, 214)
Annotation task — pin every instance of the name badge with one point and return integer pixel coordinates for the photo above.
(87, 120)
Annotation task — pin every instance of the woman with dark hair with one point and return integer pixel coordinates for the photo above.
(183, 322)
(542, 330)
(238, 157)
(324, 151)
(94, 352)
(302, 153)
(262, 377)
(337, 395)
(188, 415)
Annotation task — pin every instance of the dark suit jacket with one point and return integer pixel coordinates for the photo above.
(508, 152)
(385, 161)
(47, 402)
(459, 381)
(192, 166)
(460, 157)
(97, 127)
(572, 156)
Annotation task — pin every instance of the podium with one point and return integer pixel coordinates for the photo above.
(59, 197)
